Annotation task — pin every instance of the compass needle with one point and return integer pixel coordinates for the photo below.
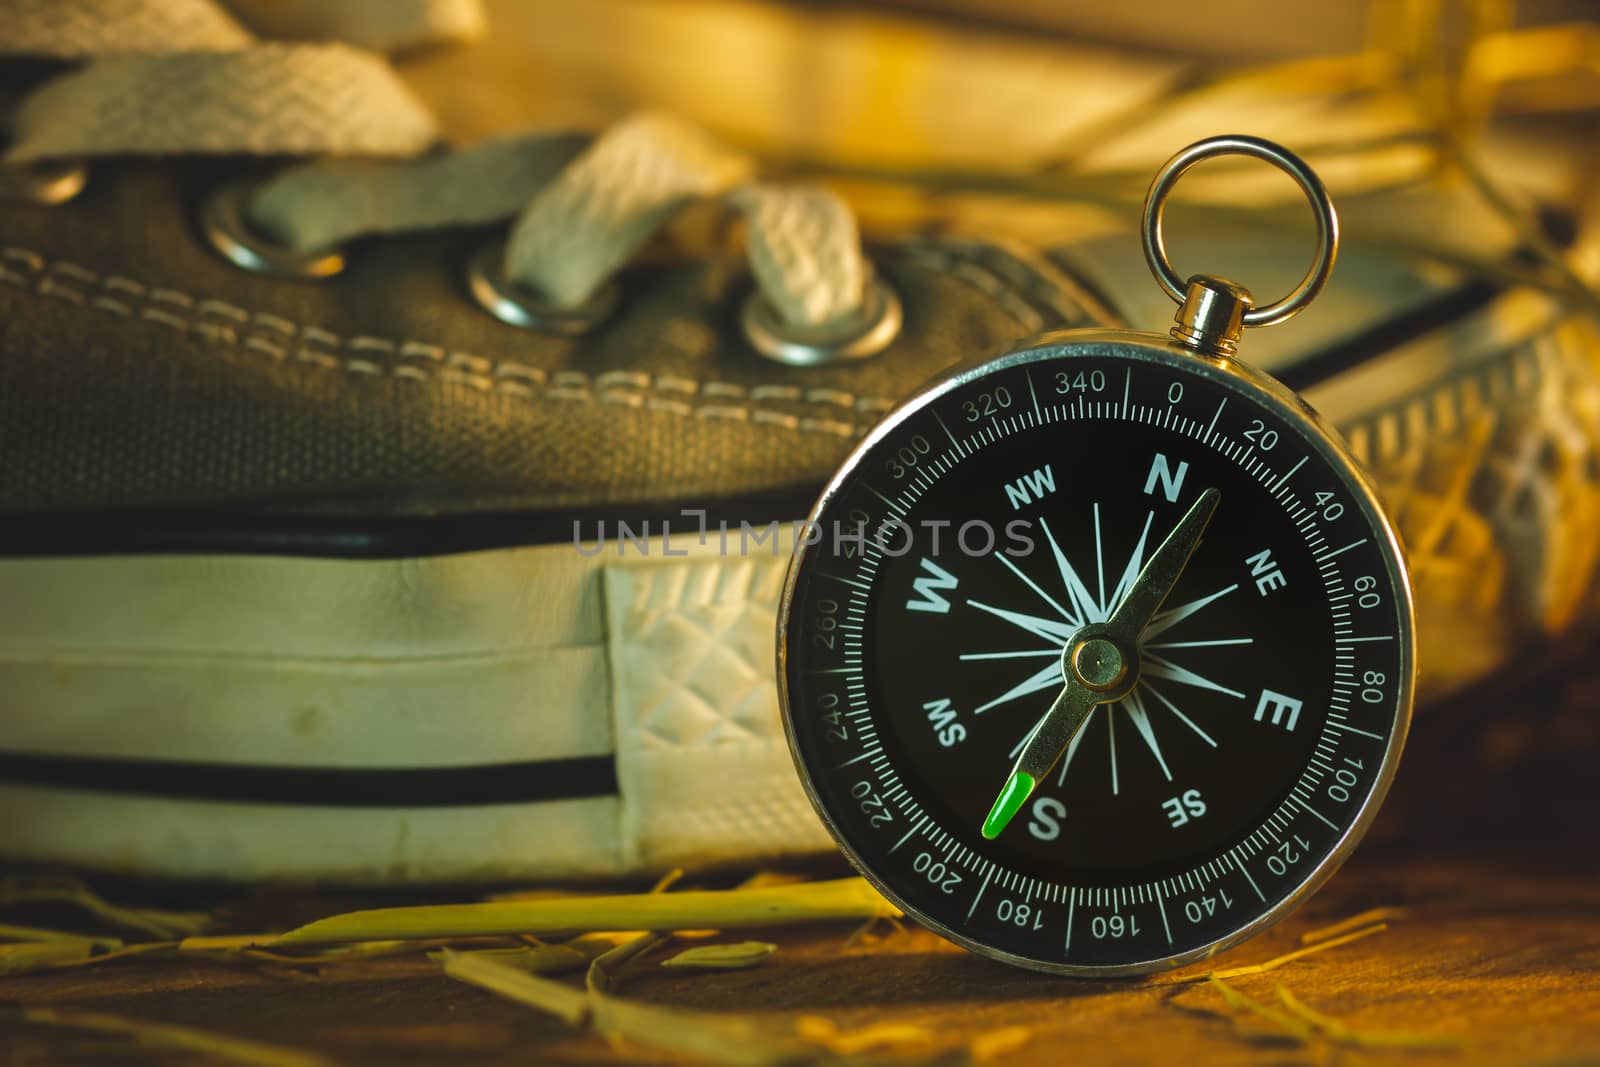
(1015, 794)
(1120, 544)
(1099, 664)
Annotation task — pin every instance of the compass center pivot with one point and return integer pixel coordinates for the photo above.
(1099, 663)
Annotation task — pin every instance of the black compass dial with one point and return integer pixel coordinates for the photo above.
(1253, 717)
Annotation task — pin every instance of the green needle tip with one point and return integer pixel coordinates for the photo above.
(1008, 803)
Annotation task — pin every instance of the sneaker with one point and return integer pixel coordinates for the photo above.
(424, 520)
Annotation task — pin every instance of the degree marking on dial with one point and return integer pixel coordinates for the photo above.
(1288, 474)
(896, 508)
(1244, 871)
(1327, 821)
(1027, 373)
(1161, 905)
(1212, 428)
(1359, 640)
(1338, 723)
(857, 759)
(1340, 551)
(979, 897)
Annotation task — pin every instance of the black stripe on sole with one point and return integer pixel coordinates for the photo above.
(199, 532)
(333, 787)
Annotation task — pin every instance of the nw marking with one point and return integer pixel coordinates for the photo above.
(1031, 487)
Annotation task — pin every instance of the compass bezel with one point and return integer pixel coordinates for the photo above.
(1231, 375)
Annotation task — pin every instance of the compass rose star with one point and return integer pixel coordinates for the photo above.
(1061, 614)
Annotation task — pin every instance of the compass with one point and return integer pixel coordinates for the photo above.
(1097, 657)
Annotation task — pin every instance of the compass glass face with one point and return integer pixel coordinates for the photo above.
(964, 550)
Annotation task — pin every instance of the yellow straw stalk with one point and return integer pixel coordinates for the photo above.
(848, 898)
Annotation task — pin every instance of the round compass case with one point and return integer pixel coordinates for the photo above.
(1098, 657)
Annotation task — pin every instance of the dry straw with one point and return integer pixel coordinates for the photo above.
(848, 898)
(216, 1047)
(734, 957)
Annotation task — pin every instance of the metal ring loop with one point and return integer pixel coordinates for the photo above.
(1155, 202)
(226, 225)
(858, 335)
(519, 306)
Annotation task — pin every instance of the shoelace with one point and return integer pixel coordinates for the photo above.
(187, 77)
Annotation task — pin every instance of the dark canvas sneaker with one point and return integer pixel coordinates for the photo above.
(461, 561)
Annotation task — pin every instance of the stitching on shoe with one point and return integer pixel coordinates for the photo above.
(184, 312)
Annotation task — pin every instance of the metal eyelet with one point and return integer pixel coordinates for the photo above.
(225, 225)
(865, 333)
(50, 182)
(517, 305)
